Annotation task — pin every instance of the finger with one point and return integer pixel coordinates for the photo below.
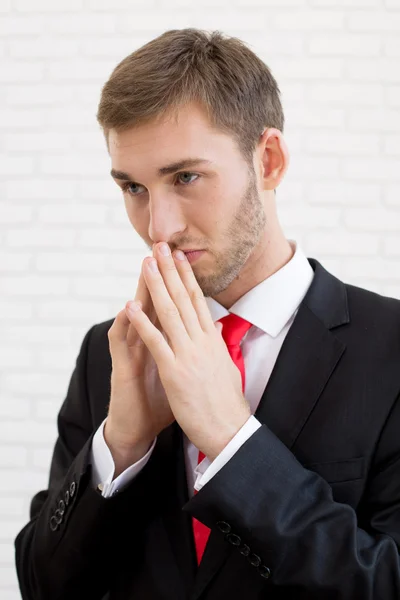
(195, 292)
(119, 350)
(178, 293)
(167, 311)
(153, 339)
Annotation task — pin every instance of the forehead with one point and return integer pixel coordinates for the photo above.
(186, 132)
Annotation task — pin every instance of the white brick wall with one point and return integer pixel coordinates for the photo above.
(68, 255)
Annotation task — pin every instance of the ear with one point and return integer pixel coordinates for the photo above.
(273, 156)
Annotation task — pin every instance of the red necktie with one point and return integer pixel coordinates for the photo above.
(233, 331)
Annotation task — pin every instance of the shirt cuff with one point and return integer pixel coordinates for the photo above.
(207, 469)
(103, 466)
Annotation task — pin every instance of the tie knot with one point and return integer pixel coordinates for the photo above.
(234, 329)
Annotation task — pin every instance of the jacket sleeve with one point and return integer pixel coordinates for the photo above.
(306, 543)
(70, 547)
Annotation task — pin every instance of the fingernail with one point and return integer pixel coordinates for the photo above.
(180, 255)
(164, 249)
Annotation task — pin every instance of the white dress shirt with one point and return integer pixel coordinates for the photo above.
(271, 307)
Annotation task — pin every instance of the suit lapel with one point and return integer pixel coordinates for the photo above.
(305, 363)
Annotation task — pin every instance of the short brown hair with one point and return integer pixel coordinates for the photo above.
(233, 84)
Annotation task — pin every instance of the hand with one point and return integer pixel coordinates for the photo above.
(202, 383)
(139, 408)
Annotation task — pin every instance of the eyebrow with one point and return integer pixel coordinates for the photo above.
(167, 170)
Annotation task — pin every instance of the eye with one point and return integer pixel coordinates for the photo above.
(190, 175)
(126, 187)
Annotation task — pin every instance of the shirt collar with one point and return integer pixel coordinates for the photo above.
(271, 303)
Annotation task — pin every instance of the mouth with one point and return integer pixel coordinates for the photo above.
(193, 255)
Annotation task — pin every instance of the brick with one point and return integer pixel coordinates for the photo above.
(342, 44)
(11, 119)
(45, 47)
(13, 165)
(157, 22)
(36, 334)
(47, 410)
(14, 408)
(393, 95)
(107, 286)
(79, 69)
(342, 143)
(392, 3)
(118, 238)
(380, 119)
(309, 217)
(48, 5)
(15, 357)
(12, 456)
(373, 219)
(99, 189)
(392, 195)
(308, 68)
(21, 25)
(31, 142)
(391, 245)
(5, 6)
(392, 144)
(347, 94)
(7, 551)
(310, 166)
(315, 117)
(374, 169)
(75, 214)
(384, 70)
(11, 309)
(26, 481)
(343, 243)
(71, 118)
(377, 269)
(41, 237)
(82, 23)
(345, 193)
(71, 311)
(37, 286)
(346, 3)
(114, 5)
(11, 262)
(8, 576)
(70, 263)
(13, 71)
(392, 46)
(74, 164)
(41, 189)
(38, 94)
(309, 20)
(374, 20)
(15, 214)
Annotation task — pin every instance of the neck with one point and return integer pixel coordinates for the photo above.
(271, 254)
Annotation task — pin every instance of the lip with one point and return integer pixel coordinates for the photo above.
(194, 255)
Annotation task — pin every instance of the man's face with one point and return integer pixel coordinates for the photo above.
(213, 205)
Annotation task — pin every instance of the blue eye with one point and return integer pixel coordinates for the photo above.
(126, 186)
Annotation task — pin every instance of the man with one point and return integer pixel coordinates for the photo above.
(237, 436)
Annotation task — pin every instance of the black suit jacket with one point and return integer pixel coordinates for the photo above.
(312, 499)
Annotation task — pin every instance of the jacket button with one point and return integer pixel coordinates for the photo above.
(233, 539)
(53, 523)
(72, 489)
(61, 507)
(58, 517)
(245, 550)
(254, 560)
(66, 498)
(224, 527)
(264, 571)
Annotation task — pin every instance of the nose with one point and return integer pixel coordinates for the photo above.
(166, 219)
